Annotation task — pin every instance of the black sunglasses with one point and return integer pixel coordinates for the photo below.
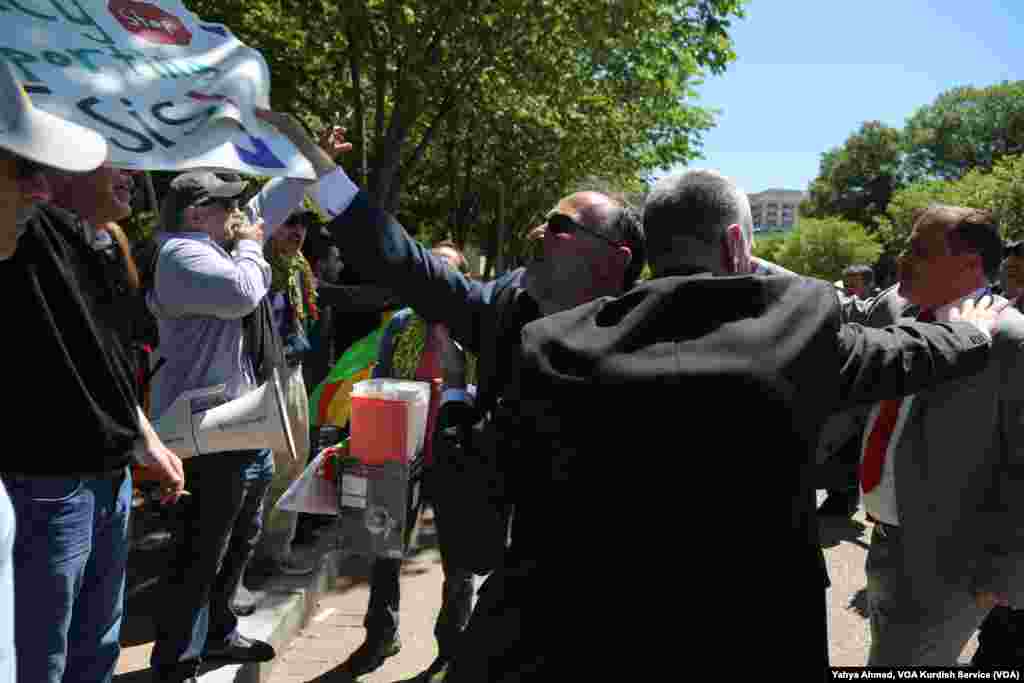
(560, 224)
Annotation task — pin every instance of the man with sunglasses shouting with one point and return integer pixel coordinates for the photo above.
(593, 246)
(201, 293)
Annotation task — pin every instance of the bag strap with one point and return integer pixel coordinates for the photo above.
(148, 377)
(150, 253)
(261, 342)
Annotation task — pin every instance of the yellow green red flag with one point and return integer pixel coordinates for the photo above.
(331, 402)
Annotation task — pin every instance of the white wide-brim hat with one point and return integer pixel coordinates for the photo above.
(42, 137)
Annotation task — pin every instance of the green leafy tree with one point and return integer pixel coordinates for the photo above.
(856, 180)
(471, 113)
(1000, 190)
(965, 128)
(767, 245)
(823, 248)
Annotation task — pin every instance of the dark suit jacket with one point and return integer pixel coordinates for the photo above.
(484, 317)
(658, 447)
(678, 424)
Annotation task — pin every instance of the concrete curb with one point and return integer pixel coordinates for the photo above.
(285, 604)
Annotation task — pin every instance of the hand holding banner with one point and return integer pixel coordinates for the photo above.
(167, 90)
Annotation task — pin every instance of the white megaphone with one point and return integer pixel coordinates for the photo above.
(258, 419)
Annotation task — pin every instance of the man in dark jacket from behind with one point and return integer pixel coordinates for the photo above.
(703, 386)
(531, 609)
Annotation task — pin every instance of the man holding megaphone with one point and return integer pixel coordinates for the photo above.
(214, 398)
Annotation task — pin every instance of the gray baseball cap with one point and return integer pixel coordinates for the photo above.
(42, 137)
(194, 189)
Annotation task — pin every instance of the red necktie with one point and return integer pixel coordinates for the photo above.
(430, 370)
(881, 433)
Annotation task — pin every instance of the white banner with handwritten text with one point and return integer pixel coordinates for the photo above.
(167, 90)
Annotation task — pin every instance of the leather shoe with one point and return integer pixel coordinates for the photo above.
(240, 650)
(371, 655)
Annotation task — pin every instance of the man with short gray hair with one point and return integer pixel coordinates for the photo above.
(712, 204)
(704, 327)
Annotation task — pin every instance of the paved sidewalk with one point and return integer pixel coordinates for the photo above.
(284, 606)
(846, 546)
(336, 629)
(316, 622)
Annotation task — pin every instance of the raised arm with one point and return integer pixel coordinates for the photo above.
(275, 202)
(379, 250)
(902, 359)
(280, 196)
(231, 287)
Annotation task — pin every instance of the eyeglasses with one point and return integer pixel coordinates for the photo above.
(560, 224)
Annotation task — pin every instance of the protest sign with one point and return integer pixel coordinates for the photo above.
(167, 90)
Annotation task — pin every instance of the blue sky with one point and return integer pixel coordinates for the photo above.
(808, 72)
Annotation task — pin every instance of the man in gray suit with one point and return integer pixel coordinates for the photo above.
(841, 439)
(941, 471)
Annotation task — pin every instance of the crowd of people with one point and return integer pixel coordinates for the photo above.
(720, 376)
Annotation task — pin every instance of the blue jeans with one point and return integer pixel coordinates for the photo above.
(217, 528)
(70, 553)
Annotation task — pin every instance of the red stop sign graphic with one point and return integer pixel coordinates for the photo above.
(149, 22)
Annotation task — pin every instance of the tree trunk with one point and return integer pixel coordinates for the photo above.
(500, 231)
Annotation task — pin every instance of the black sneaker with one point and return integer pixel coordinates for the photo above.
(371, 655)
(240, 650)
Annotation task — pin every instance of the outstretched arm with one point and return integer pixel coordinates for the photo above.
(902, 359)
(279, 197)
(380, 251)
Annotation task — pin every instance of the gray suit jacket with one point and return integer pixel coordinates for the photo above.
(960, 475)
(878, 311)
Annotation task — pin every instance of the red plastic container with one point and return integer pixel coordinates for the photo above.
(379, 431)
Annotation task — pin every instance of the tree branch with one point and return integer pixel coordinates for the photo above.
(355, 69)
(446, 107)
